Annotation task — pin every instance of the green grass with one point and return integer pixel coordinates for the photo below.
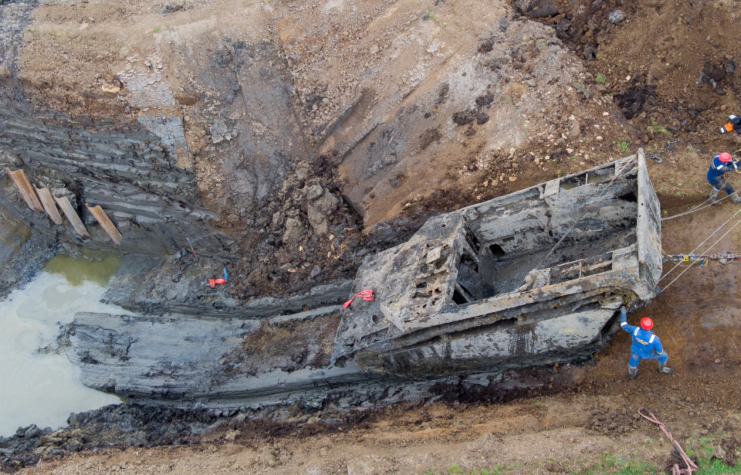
(157, 30)
(611, 464)
(601, 79)
(623, 145)
(716, 467)
(658, 129)
(456, 469)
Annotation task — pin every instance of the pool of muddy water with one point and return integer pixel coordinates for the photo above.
(44, 388)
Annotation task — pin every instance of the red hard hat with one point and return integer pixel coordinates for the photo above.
(646, 323)
(725, 157)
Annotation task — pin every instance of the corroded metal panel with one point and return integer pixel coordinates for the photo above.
(49, 206)
(649, 223)
(106, 223)
(69, 211)
(25, 189)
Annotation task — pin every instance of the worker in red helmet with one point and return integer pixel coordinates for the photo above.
(721, 164)
(646, 345)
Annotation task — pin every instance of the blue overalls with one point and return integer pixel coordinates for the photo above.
(646, 345)
(716, 171)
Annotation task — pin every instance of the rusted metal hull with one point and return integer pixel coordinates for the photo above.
(529, 278)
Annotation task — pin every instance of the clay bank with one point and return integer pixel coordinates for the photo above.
(530, 278)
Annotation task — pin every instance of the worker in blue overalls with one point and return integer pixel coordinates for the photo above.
(646, 345)
(721, 164)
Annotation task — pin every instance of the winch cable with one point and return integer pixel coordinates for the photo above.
(706, 250)
(698, 207)
(695, 209)
(568, 231)
(700, 245)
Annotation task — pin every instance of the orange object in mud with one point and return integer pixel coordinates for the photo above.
(728, 127)
(366, 295)
(213, 282)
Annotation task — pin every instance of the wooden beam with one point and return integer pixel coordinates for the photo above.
(26, 190)
(69, 211)
(49, 206)
(106, 223)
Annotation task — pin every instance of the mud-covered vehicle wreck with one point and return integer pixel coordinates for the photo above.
(526, 279)
(529, 278)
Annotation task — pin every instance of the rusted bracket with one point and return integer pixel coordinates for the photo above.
(26, 190)
(69, 211)
(49, 206)
(106, 223)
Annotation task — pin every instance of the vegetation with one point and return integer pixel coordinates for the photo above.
(601, 79)
(622, 145)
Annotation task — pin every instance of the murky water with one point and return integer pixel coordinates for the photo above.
(43, 389)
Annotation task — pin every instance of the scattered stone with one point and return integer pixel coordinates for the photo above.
(293, 232)
(110, 88)
(616, 16)
(218, 132)
(319, 210)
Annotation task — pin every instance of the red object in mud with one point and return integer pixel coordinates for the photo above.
(213, 282)
(725, 157)
(646, 323)
(367, 295)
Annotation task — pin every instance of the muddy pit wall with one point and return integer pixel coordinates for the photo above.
(22, 252)
(125, 169)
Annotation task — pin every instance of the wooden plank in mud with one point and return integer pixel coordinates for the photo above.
(106, 223)
(75, 220)
(26, 190)
(49, 206)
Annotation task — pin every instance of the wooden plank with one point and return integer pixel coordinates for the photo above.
(69, 211)
(106, 223)
(49, 206)
(26, 190)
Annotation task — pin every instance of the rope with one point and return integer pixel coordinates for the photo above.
(695, 209)
(585, 212)
(699, 245)
(367, 295)
(716, 242)
(691, 466)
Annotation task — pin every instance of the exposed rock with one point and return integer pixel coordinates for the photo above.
(319, 210)
(294, 231)
(616, 16)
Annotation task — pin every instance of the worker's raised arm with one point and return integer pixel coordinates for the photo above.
(624, 321)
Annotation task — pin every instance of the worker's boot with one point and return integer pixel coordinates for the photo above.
(665, 369)
(735, 198)
(632, 372)
(714, 197)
